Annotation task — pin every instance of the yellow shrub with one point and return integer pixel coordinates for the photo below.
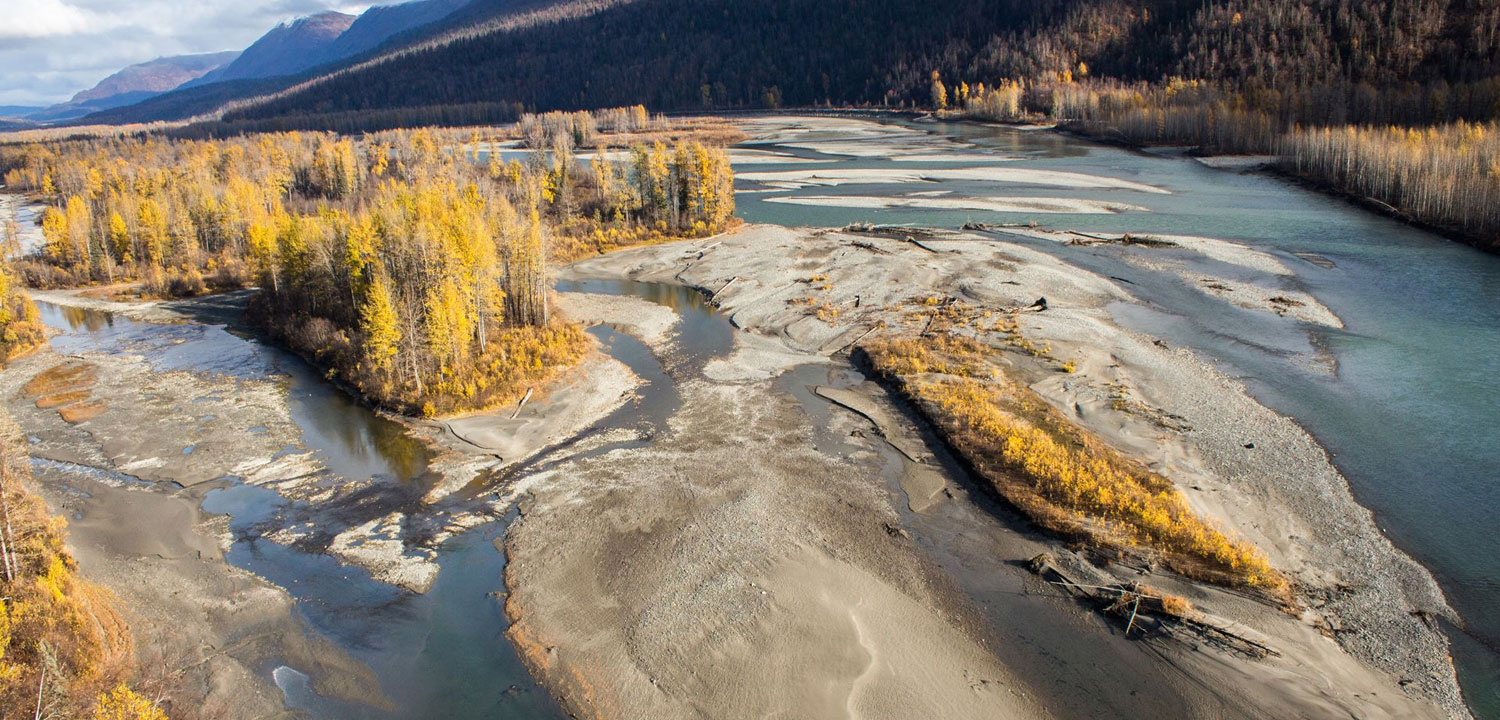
(1065, 479)
(122, 703)
(50, 617)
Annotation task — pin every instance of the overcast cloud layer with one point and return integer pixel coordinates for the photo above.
(50, 49)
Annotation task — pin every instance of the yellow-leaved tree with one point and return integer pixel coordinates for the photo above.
(122, 703)
(378, 322)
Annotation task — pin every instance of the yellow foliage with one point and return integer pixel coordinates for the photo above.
(122, 703)
(1064, 478)
(1176, 605)
(407, 270)
(51, 620)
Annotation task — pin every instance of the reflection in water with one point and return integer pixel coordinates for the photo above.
(442, 654)
(350, 440)
(75, 318)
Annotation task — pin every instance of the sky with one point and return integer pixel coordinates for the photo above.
(50, 49)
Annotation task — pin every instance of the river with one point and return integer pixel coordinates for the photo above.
(1404, 396)
(442, 653)
(1410, 412)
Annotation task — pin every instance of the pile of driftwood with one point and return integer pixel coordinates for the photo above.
(1145, 612)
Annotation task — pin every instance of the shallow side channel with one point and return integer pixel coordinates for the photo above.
(442, 654)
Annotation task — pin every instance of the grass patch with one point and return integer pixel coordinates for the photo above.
(1060, 476)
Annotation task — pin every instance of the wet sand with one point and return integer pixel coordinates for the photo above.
(205, 631)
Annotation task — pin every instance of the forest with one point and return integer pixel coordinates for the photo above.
(1442, 172)
(1393, 103)
(689, 55)
(1234, 76)
(411, 264)
(666, 54)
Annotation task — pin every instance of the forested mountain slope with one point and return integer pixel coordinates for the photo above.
(717, 54)
(380, 23)
(689, 54)
(353, 49)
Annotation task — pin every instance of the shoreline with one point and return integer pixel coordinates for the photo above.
(1276, 167)
(1067, 128)
(204, 627)
(777, 332)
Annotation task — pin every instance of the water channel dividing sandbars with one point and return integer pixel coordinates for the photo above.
(720, 484)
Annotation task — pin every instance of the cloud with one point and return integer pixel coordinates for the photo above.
(45, 18)
(51, 49)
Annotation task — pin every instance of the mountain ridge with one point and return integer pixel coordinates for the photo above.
(288, 48)
(157, 75)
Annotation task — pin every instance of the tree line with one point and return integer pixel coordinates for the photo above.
(1447, 175)
(407, 262)
(1440, 172)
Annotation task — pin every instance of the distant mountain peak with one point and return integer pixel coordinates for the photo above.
(156, 76)
(288, 48)
(329, 22)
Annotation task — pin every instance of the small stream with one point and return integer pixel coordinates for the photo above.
(440, 654)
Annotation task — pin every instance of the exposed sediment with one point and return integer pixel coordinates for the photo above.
(813, 293)
(752, 558)
(204, 628)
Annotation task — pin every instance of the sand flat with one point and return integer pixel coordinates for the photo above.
(1284, 495)
(1077, 206)
(1018, 176)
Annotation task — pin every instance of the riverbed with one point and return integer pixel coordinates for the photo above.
(638, 537)
(337, 468)
(1403, 395)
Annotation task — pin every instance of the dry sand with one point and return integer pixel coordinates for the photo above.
(1241, 163)
(797, 179)
(993, 204)
(1287, 303)
(1224, 251)
(564, 408)
(1268, 289)
(707, 577)
(672, 617)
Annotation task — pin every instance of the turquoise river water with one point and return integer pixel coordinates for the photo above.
(1410, 411)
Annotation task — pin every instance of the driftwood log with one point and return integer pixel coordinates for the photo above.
(1146, 610)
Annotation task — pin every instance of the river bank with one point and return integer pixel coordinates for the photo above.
(206, 630)
(1281, 167)
(838, 534)
(304, 558)
(719, 480)
(1399, 393)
